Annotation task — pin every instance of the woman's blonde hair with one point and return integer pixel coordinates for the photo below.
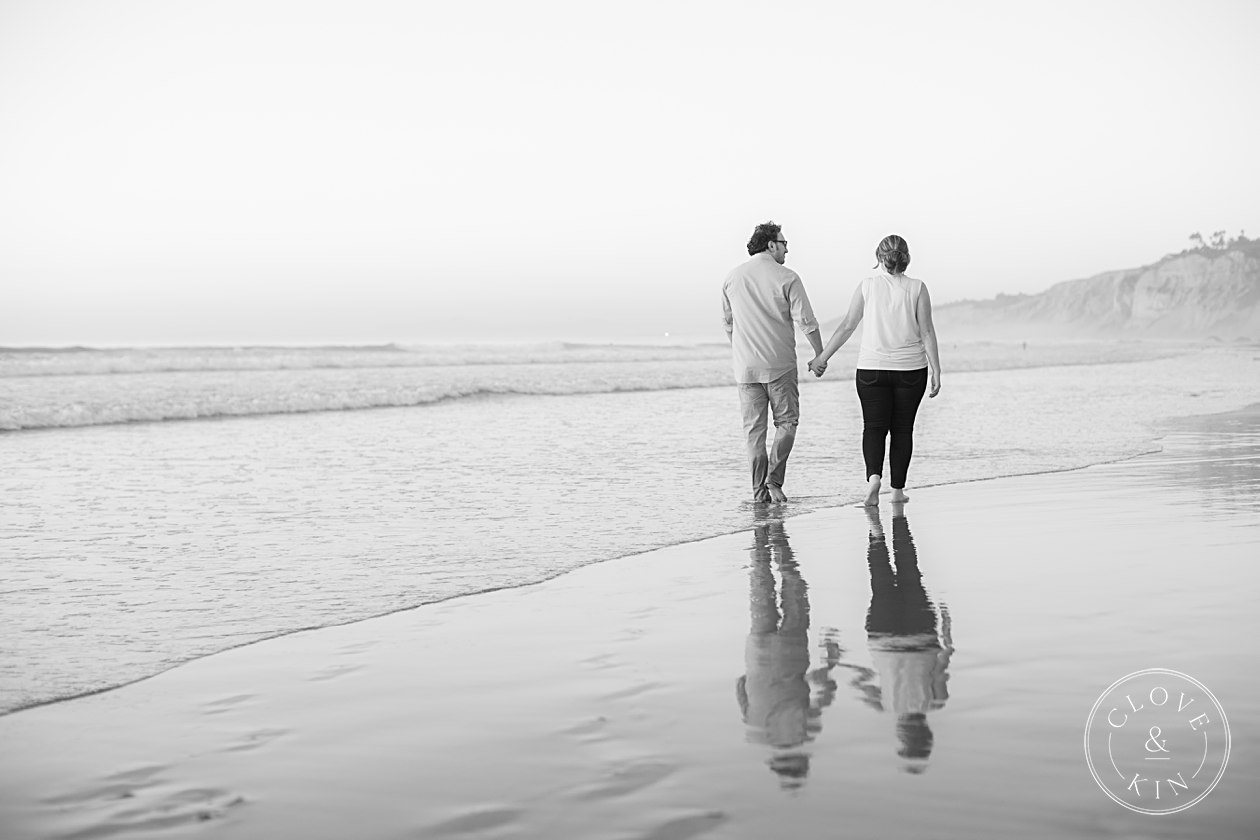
(893, 254)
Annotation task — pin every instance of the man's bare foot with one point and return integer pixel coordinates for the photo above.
(776, 493)
(872, 491)
(899, 496)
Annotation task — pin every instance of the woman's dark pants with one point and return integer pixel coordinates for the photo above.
(890, 401)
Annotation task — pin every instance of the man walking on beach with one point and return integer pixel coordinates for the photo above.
(761, 299)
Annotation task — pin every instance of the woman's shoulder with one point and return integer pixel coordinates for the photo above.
(904, 280)
(884, 274)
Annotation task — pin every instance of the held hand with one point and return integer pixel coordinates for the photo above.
(936, 385)
(817, 367)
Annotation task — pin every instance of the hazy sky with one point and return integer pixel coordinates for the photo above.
(233, 172)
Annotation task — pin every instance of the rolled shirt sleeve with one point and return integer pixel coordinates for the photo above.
(802, 311)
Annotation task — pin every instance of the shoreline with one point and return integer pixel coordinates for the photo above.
(604, 701)
(1251, 411)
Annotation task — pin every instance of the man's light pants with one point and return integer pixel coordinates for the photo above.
(782, 397)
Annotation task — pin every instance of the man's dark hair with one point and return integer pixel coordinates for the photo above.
(763, 235)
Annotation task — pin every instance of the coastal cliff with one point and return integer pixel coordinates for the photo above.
(1206, 293)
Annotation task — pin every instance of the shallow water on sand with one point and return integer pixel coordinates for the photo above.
(128, 549)
(1007, 642)
(923, 670)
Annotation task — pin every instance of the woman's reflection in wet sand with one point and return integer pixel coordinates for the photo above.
(775, 696)
(908, 651)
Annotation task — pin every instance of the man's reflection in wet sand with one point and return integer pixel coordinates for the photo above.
(909, 654)
(775, 694)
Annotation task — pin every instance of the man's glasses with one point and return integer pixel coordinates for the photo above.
(782, 242)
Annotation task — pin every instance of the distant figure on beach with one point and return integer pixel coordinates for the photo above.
(909, 653)
(761, 300)
(775, 695)
(898, 352)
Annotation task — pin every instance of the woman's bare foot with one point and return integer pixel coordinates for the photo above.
(872, 491)
(776, 493)
(899, 496)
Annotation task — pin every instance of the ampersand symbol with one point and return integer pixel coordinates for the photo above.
(1158, 745)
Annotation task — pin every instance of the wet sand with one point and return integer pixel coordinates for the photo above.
(798, 676)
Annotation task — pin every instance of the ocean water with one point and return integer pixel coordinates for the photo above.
(159, 505)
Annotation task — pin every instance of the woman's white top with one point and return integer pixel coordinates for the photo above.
(891, 338)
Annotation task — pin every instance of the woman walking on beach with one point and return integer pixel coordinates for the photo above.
(898, 355)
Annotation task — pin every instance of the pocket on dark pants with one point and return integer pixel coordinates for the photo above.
(867, 377)
(910, 378)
